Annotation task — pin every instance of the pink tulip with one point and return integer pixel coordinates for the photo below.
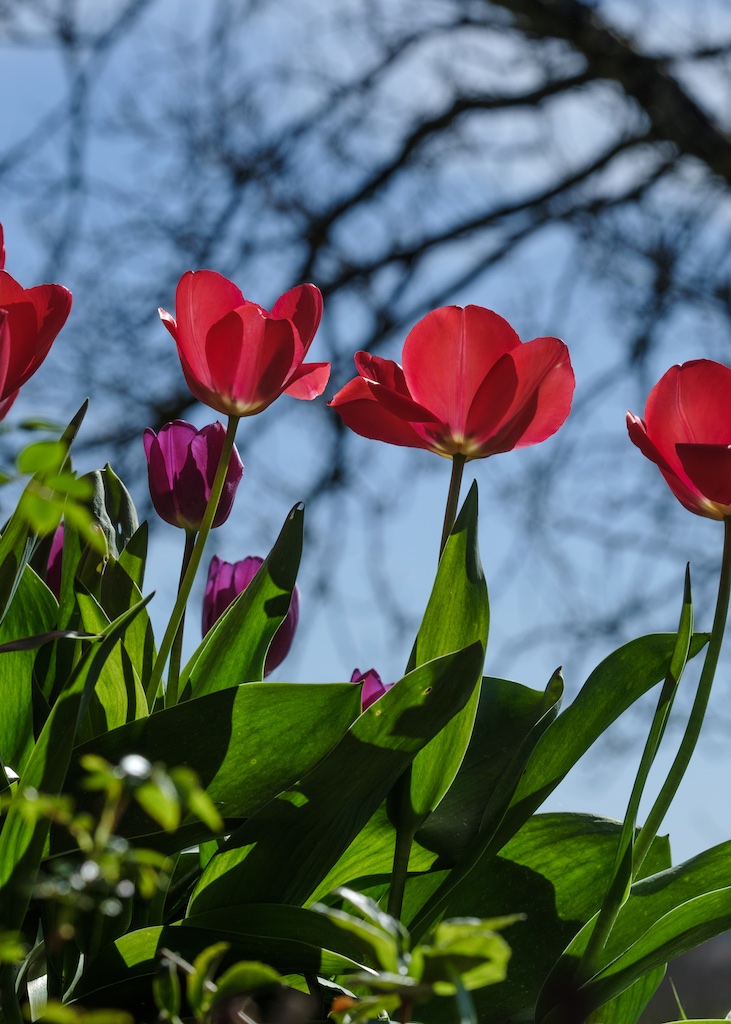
(373, 688)
(181, 464)
(225, 582)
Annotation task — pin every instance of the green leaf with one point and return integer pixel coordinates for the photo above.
(198, 982)
(123, 972)
(379, 945)
(32, 612)
(293, 926)
(666, 915)
(16, 544)
(242, 978)
(469, 949)
(42, 457)
(119, 696)
(510, 720)
(166, 990)
(113, 508)
(235, 649)
(627, 1007)
(238, 741)
(22, 841)
(133, 557)
(623, 677)
(282, 853)
(456, 616)
(555, 871)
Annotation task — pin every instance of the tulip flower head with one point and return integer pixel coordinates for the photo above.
(226, 580)
(238, 357)
(373, 687)
(468, 386)
(686, 432)
(30, 319)
(181, 464)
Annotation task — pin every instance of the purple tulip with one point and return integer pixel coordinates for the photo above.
(54, 563)
(181, 463)
(226, 580)
(373, 688)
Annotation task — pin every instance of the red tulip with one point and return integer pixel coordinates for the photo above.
(373, 687)
(181, 464)
(237, 357)
(686, 432)
(225, 582)
(31, 319)
(468, 386)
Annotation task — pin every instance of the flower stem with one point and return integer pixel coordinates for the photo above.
(450, 513)
(695, 721)
(649, 830)
(195, 558)
(625, 868)
(171, 691)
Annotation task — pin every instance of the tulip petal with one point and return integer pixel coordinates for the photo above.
(308, 381)
(249, 355)
(2, 247)
(360, 410)
(539, 381)
(203, 298)
(690, 404)
(35, 316)
(709, 468)
(303, 306)
(387, 382)
(448, 354)
(6, 404)
(678, 482)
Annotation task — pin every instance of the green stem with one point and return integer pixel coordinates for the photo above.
(450, 513)
(695, 721)
(195, 558)
(176, 652)
(624, 871)
(405, 833)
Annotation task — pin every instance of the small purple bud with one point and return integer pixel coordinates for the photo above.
(373, 688)
(54, 564)
(226, 580)
(181, 464)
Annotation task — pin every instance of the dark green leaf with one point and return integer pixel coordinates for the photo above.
(238, 741)
(33, 611)
(612, 687)
(555, 871)
(21, 841)
(282, 853)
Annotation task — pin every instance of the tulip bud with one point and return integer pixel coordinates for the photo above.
(373, 688)
(226, 580)
(181, 463)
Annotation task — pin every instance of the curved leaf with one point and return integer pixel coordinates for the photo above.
(284, 851)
